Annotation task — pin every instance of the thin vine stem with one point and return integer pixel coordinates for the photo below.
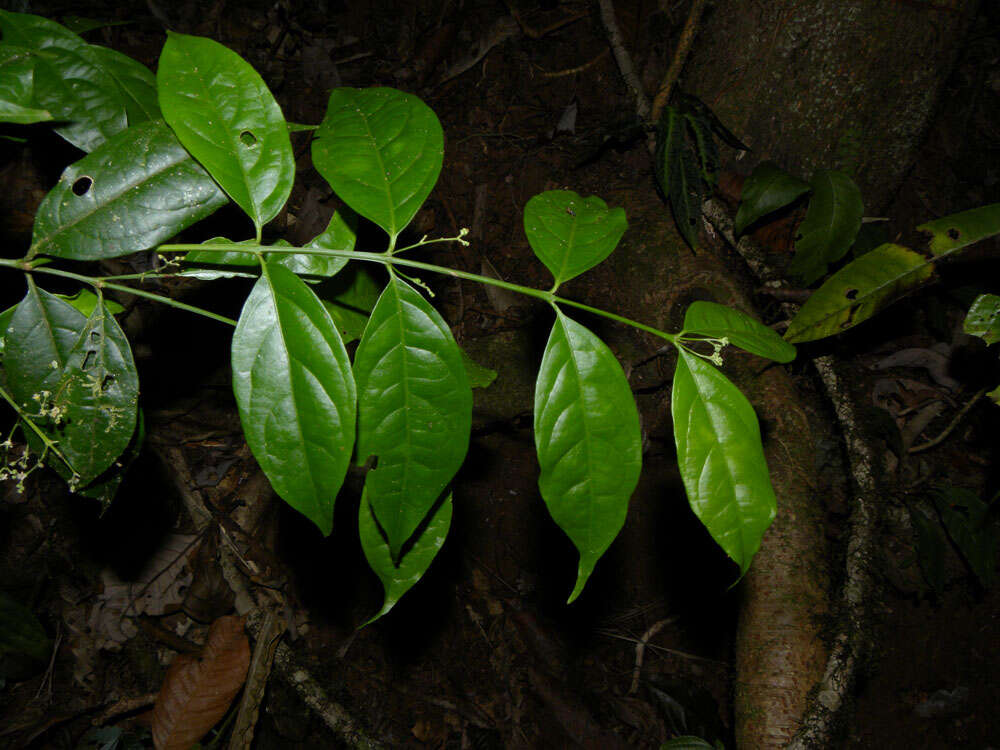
(395, 260)
(99, 283)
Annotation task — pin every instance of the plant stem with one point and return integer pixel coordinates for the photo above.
(395, 260)
(99, 283)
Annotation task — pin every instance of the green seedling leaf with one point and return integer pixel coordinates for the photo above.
(85, 301)
(679, 174)
(570, 234)
(716, 321)
(858, 291)
(350, 297)
(414, 409)
(137, 190)
(295, 392)
(398, 579)
(960, 230)
(967, 520)
(136, 82)
(98, 393)
(479, 376)
(721, 458)
(340, 234)
(38, 340)
(983, 319)
(588, 440)
(767, 189)
(21, 632)
(381, 151)
(831, 224)
(224, 114)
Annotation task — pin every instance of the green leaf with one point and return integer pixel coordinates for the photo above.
(960, 230)
(721, 458)
(80, 25)
(17, 86)
(687, 742)
(137, 190)
(224, 114)
(85, 301)
(717, 321)
(38, 341)
(414, 409)
(588, 440)
(708, 152)
(767, 189)
(209, 265)
(983, 319)
(381, 151)
(679, 174)
(136, 81)
(397, 580)
(295, 393)
(340, 234)
(36, 32)
(350, 298)
(98, 392)
(21, 632)
(570, 234)
(689, 104)
(831, 224)
(19, 115)
(479, 376)
(859, 290)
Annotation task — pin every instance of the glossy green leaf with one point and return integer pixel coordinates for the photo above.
(98, 392)
(36, 32)
(398, 579)
(85, 301)
(721, 458)
(295, 393)
(21, 632)
(224, 114)
(41, 333)
(381, 151)
(678, 172)
(716, 321)
(137, 190)
(983, 319)
(414, 409)
(588, 440)
(17, 114)
(340, 234)
(960, 230)
(17, 87)
(767, 189)
(570, 234)
(859, 290)
(350, 298)
(831, 224)
(479, 376)
(136, 81)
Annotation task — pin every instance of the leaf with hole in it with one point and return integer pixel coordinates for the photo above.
(97, 392)
(721, 459)
(957, 231)
(831, 224)
(224, 114)
(414, 409)
(983, 318)
(716, 321)
(135, 191)
(398, 579)
(198, 690)
(769, 188)
(295, 392)
(588, 441)
(381, 151)
(678, 173)
(570, 234)
(857, 291)
(340, 234)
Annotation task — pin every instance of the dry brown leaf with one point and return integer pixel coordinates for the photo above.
(196, 692)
